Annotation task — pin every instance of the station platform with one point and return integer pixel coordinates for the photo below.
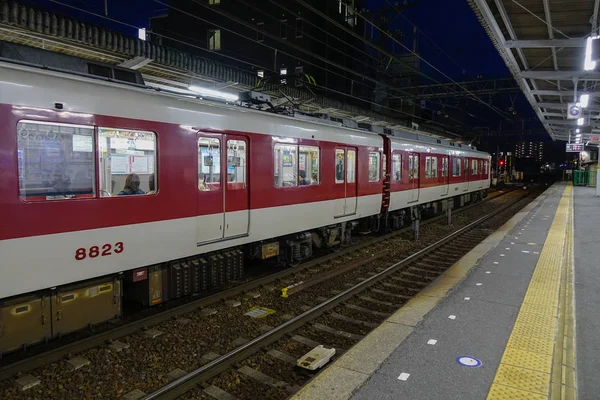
(499, 324)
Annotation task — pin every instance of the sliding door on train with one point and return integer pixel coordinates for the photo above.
(413, 176)
(223, 195)
(345, 174)
(445, 175)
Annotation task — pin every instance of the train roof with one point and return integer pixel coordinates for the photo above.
(29, 85)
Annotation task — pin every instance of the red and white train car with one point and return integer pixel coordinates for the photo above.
(100, 181)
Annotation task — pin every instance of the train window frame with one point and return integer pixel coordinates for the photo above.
(377, 166)
(212, 186)
(456, 162)
(351, 172)
(314, 161)
(340, 161)
(150, 161)
(236, 161)
(473, 166)
(396, 173)
(295, 164)
(444, 166)
(427, 167)
(83, 144)
(434, 167)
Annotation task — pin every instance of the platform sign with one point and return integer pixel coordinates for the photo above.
(574, 147)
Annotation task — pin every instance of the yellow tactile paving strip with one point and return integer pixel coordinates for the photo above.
(539, 359)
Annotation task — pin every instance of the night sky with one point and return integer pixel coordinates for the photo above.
(450, 24)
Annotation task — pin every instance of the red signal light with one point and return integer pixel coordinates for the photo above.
(501, 162)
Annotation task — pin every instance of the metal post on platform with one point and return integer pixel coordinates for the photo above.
(449, 216)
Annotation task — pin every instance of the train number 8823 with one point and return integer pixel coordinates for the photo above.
(95, 251)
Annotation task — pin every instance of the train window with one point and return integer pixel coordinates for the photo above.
(485, 167)
(396, 167)
(374, 166)
(427, 167)
(56, 161)
(209, 164)
(434, 168)
(456, 167)
(444, 166)
(473, 167)
(286, 165)
(351, 166)
(339, 166)
(308, 165)
(127, 162)
(236, 164)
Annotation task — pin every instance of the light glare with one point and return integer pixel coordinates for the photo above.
(204, 92)
(584, 100)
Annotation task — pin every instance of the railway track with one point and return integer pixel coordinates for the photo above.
(266, 365)
(206, 325)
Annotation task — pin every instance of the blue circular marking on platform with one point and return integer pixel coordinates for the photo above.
(467, 361)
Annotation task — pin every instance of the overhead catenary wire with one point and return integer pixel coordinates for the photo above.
(291, 55)
(329, 46)
(475, 97)
(243, 61)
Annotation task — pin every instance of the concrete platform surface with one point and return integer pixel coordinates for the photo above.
(508, 303)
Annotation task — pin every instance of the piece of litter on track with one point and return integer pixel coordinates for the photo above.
(467, 298)
(432, 341)
(452, 316)
(403, 376)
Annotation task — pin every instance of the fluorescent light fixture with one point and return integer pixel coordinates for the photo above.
(584, 100)
(283, 71)
(580, 121)
(589, 65)
(217, 94)
(142, 33)
(260, 73)
(577, 130)
(578, 135)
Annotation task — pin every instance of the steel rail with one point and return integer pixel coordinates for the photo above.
(56, 354)
(189, 381)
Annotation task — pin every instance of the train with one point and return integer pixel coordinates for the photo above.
(113, 193)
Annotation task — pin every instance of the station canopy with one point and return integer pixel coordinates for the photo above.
(543, 43)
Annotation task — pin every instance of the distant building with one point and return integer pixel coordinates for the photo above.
(530, 150)
(281, 41)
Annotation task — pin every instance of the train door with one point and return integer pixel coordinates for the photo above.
(445, 175)
(413, 175)
(211, 195)
(345, 174)
(351, 185)
(237, 202)
(466, 169)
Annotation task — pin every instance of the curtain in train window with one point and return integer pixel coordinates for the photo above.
(127, 162)
(374, 166)
(286, 165)
(55, 161)
(396, 167)
(236, 164)
(308, 165)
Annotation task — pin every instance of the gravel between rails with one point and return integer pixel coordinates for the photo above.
(146, 363)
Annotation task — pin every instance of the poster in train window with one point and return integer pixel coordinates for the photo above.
(54, 161)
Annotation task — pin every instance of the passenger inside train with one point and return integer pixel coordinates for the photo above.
(132, 186)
